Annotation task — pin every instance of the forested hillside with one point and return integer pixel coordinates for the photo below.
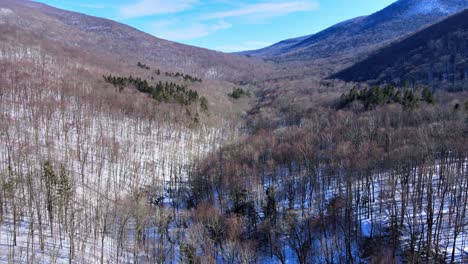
(126, 44)
(83, 156)
(348, 42)
(435, 56)
(184, 155)
(375, 181)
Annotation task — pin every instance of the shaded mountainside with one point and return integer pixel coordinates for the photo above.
(352, 39)
(109, 38)
(435, 55)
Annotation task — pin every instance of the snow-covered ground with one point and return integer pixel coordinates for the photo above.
(56, 248)
(427, 7)
(374, 214)
(107, 155)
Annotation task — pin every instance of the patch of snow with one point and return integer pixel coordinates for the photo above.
(366, 227)
(427, 7)
(6, 12)
(107, 156)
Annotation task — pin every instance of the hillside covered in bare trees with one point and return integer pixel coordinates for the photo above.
(119, 147)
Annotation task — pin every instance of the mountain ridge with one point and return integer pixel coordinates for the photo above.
(350, 40)
(434, 55)
(104, 36)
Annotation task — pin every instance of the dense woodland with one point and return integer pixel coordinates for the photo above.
(78, 161)
(167, 92)
(98, 168)
(238, 93)
(377, 96)
(305, 182)
(434, 56)
(384, 185)
(185, 77)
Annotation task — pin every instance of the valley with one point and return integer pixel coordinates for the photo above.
(120, 147)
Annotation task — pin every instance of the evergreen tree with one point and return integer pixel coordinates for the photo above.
(204, 104)
(238, 93)
(427, 96)
(50, 181)
(167, 92)
(409, 99)
(270, 208)
(196, 119)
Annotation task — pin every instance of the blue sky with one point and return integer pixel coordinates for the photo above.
(225, 25)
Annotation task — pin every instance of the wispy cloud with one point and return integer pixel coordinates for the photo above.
(156, 7)
(182, 20)
(194, 31)
(266, 10)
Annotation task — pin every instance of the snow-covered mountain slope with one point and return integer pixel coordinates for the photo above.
(427, 7)
(86, 150)
(351, 40)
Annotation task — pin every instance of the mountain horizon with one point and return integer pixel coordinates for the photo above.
(429, 57)
(360, 34)
(104, 36)
(211, 24)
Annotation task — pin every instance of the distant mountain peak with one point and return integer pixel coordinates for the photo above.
(428, 6)
(348, 42)
(425, 7)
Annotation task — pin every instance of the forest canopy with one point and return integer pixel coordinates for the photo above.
(388, 94)
(163, 92)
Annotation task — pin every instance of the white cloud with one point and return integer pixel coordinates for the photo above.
(194, 31)
(200, 24)
(266, 10)
(249, 45)
(156, 7)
